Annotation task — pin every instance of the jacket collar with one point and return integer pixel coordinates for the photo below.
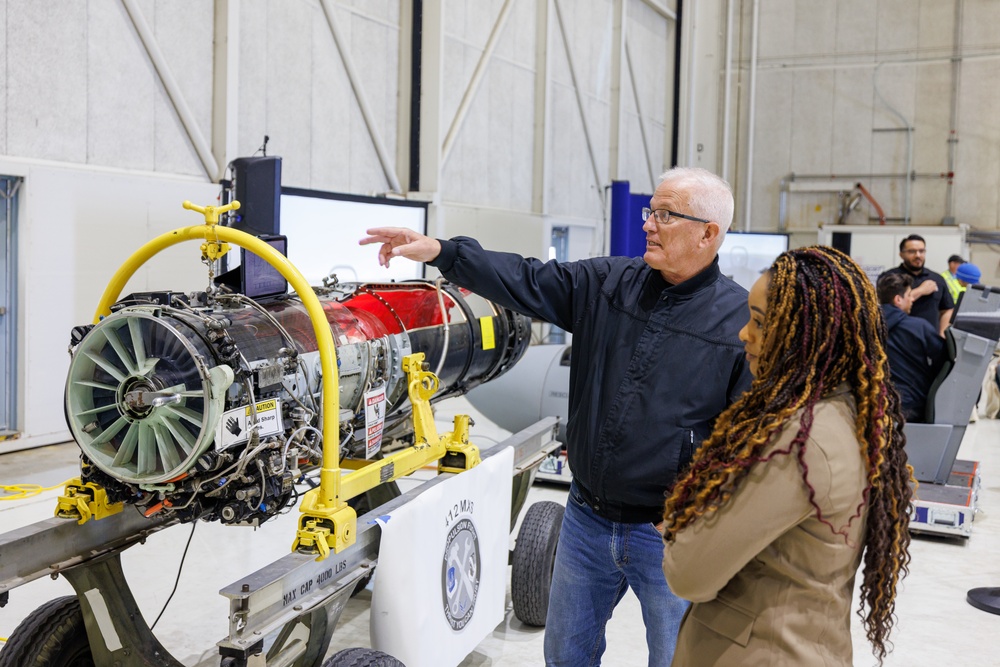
(892, 315)
(708, 275)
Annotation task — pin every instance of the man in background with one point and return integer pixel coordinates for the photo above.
(931, 299)
(954, 288)
(915, 348)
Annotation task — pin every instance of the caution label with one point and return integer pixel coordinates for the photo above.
(233, 428)
(263, 406)
(374, 421)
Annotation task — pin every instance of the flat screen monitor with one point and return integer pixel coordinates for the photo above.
(745, 255)
(260, 279)
(324, 229)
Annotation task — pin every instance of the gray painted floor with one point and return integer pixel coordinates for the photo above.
(935, 624)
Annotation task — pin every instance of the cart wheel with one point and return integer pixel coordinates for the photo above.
(53, 635)
(361, 657)
(534, 556)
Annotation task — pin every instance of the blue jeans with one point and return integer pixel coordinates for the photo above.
(596, 562)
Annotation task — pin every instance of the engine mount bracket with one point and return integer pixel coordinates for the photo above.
(84, 502)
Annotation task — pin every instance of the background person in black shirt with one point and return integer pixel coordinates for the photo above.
(931, 298)
(913, 346)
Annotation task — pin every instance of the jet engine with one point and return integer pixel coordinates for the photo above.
(208, 406)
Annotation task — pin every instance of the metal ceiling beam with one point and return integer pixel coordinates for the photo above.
(618, 22)
(225, 87)
(388, 167)
(642, 119)
(476, 81)
(404, 76)
(660, 9)
(431, 73)
(598, 182)
(201, 145)
(543, 66)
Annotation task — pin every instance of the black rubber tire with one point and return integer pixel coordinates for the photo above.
(534, 556)
(361, 657)
(54, 635)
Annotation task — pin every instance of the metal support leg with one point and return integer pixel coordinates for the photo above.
(118, 633)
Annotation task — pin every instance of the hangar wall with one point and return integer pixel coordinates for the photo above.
(836, 89)
(115, 111)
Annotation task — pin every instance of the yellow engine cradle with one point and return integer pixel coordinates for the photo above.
(85, 501)
(327, 523)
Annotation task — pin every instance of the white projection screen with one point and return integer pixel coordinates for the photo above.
(323, 230)
(743, 255)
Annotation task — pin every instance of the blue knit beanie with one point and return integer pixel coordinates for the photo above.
(969, 273)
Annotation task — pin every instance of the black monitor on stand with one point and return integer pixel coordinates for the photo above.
(254, 277)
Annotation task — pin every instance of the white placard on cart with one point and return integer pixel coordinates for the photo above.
(441, 583)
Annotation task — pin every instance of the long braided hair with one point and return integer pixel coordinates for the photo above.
(823, 327)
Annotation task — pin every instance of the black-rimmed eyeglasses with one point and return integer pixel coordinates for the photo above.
(663, 215)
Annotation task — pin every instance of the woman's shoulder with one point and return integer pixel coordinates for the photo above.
(831, 451)
(833, 419)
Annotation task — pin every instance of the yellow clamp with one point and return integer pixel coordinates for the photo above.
(460, 454)
(322, 529)
(422, 385)
(84, 502)
(213, 250)
(211, 213)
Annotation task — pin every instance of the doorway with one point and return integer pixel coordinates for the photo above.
(9, 187)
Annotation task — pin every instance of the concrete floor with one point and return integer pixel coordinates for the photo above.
(935, 624)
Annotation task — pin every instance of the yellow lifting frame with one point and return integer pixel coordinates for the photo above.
(326, 520)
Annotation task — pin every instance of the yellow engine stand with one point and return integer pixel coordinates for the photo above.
(330, 528)
(84, 502)
(461, 455)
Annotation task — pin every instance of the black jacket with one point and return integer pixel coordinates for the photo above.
(653, 364)
(915, 352)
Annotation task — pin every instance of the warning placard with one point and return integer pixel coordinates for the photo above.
(374, 420)
(233, 428)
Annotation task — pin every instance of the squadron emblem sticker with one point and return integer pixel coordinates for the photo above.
(460, 573)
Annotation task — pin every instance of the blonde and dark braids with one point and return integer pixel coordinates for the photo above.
(823, 328)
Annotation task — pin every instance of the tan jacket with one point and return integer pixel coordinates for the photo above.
(771, 584)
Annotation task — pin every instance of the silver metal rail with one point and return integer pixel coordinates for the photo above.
(55, 545)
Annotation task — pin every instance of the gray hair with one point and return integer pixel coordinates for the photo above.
(709, 196)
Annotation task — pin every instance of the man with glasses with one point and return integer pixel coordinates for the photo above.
(931, 298)
(656, 358)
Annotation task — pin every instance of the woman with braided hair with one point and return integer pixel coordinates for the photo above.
(802, 478)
